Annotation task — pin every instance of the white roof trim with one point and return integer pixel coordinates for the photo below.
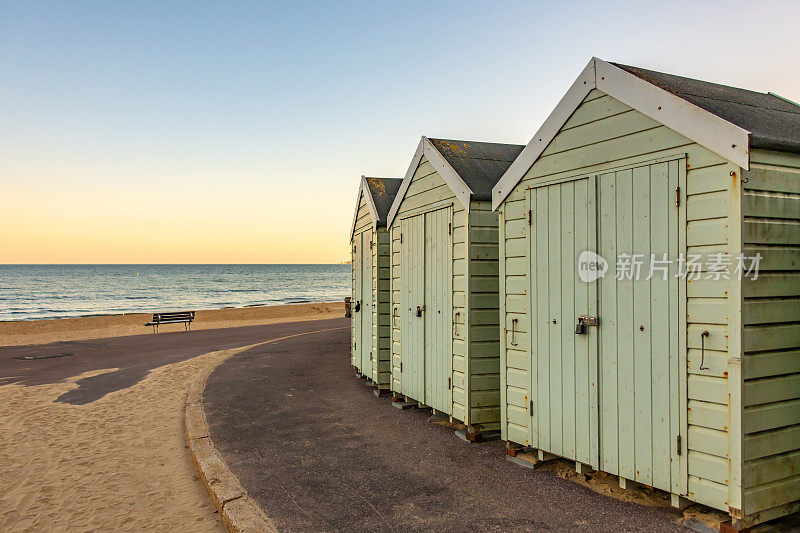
(373, 211)
(703, 127)
(440, 164)
(706, 129)
(563, 110)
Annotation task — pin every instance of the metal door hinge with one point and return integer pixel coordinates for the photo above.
(401, 238)
(449, 228)
(679, 444)
(530, 408)
(529, 216)
(401, 367)
(677, 196)
(449, 383)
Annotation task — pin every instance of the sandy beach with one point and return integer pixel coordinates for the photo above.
(96, 327)
(119, 462)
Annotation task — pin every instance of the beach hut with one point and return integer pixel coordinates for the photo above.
(684, 379)
(444, 300)
(370, 276)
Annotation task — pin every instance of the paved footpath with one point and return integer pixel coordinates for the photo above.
(319, 452)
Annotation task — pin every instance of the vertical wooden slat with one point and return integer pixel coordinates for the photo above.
(543, 317)
(419, 297)
(431, 349)
(660, 228)
(625, 370)
(567, 321)
(533, 310)
(607, 246)
(678, 383)
(641, 438)
(556, 320)
(447, 306)
(582, 212)
(593, 339)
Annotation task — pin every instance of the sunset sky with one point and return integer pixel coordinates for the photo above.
(198, 132)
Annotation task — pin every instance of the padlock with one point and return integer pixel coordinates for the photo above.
(580, 327)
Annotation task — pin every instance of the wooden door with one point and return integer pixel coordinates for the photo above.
(355, 303)
(412, 287)
(366, 303)
(640, 362)
(438, 309)
(563, 372)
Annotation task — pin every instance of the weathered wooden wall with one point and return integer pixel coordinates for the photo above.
(771, 334)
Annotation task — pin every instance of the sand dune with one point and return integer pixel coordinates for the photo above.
(96, 327)
(119, 463)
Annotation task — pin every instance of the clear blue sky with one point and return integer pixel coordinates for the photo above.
(222, 115)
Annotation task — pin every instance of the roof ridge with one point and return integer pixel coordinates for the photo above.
(481, 158)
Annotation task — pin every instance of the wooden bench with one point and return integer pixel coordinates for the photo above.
(180, 317)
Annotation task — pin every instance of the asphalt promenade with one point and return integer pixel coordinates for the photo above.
(318, 451)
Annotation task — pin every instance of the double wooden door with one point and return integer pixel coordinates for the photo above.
(426, 308)
(607, 368)
(362, 301)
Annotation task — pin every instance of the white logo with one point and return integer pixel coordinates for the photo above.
(591, 266)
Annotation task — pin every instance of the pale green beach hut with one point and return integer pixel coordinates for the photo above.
(370, 269)
(444, 300)
(687, 384)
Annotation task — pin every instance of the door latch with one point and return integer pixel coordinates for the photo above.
(583, 321)
(358, 306)
(420, 309)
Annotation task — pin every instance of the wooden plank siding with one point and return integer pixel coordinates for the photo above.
(771, 334)
(604, 134)
(484, 316)
(381, 310)
(378, 370)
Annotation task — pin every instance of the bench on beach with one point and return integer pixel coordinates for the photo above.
(180, 317)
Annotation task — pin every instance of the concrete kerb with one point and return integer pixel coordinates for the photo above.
(239, 511)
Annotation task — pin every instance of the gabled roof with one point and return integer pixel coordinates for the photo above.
(773, 122)
(726, 120)
(379, 193)
(470, 168)
(382, 192)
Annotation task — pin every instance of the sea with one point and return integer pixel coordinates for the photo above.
(30, 292)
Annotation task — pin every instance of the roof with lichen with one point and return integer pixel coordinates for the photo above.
(383, 191)
(773, 122)
(480, 165)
